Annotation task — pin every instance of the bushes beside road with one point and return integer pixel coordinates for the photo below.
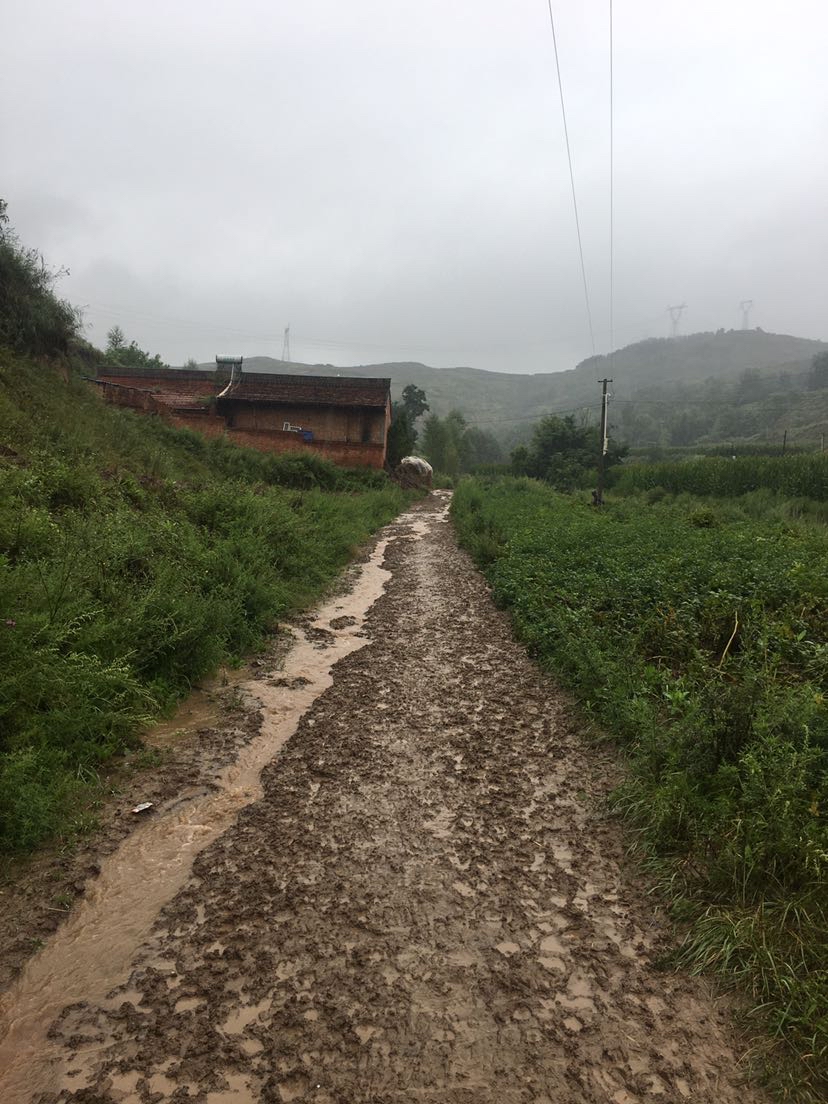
(134, 559)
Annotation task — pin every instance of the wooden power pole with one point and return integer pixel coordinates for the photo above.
(602, 451)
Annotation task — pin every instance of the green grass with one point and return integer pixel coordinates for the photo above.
(134, 559)
(696, 634)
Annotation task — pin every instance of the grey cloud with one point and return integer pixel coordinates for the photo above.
(390, 178)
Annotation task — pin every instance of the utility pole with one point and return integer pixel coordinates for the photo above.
(598, 496)
(675, 315)
(286, 345)
(744, 307)
(784, 442)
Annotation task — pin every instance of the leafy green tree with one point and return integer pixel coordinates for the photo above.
(435, 442)
(481, 447)
(443, 442)
(453, 446)
(414, 401)
(402, 434)
(520, 460)
(129, 356)
(561, 452)
(688, 427)
(115, 340)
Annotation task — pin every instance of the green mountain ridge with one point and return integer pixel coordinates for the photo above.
(508, 403)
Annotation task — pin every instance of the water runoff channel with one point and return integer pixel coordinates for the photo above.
(91, 953)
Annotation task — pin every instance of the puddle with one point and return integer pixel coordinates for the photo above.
(201, 710)
(92, 952)
(241, 1017)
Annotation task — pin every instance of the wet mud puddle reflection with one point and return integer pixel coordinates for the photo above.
(91, 953)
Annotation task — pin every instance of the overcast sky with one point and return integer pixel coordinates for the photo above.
(389, 177)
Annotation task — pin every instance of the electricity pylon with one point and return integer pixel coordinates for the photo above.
(675, 315)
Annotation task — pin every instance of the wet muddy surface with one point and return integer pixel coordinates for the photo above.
(422, 899)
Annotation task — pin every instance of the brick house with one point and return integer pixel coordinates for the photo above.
(343, 418)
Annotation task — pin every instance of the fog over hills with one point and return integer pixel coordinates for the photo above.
(508, 403)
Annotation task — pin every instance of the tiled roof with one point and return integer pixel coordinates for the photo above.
(114, 371)
(187, 393)
(308, 390)
(181, 400)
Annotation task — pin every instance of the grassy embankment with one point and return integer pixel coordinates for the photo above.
(694, 631)
(134, 559)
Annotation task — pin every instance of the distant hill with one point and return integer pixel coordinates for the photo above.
(508, 403)
(493, 399)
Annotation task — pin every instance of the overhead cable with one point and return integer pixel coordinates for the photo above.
(572, 178)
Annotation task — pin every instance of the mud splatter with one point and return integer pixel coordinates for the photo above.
(426, 903)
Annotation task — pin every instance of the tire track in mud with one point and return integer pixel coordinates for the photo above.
(427, 904)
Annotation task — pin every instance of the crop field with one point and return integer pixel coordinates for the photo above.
(695, 634)
(798, 475)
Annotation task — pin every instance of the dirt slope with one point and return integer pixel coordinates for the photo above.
(427, 904)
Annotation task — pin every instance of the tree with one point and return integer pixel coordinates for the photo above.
(191, 364)
(453, 446)
(115, 340)
(819, 372)
(435, 442)
(562, 452)
(414, 401)
(481, 447)
(402, 433)
(129, 356)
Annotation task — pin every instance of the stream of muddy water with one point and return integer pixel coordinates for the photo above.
(91, 953)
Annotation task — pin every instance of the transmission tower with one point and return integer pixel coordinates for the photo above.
(286, 345)
(744, 307)
(675, 315)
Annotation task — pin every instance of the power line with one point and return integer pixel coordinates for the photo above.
(611, 195)
(572, 178)
(128, 315)
(532, 417)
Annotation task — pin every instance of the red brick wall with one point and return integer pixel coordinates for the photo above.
(211, 425)
(338, 431)
(341, 424)
(347, 455)
(196, 388)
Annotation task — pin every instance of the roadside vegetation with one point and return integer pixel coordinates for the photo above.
(134, 558)
(693, 630)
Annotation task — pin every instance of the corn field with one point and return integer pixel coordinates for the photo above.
(798, 476)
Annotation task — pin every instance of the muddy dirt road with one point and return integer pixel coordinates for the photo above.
(424, 901)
